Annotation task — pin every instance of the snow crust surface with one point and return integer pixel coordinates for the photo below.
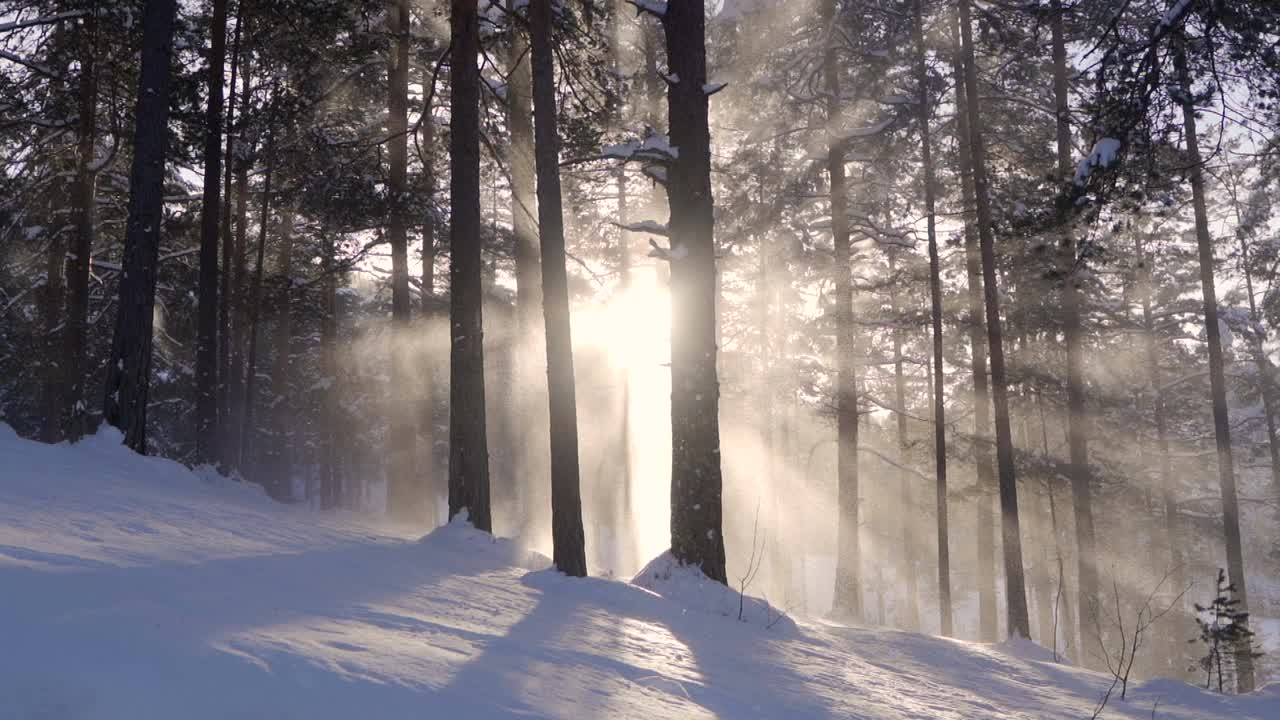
(133, 588)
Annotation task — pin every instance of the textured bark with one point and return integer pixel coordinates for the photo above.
(75, 332)
(207, 430)
(129, 368)
(468, 450)
(568, 547)
(1217, 380)
(696, 485)
(935, 307)
(986, 476)
(1077, 423)
(405, 499)
(1015, 590)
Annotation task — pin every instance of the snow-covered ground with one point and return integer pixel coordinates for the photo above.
(132, 588)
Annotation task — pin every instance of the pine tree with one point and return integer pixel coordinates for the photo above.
(129, 369)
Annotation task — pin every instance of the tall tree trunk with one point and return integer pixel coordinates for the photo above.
(282, 353)
(468, 450)
(404, 490)
(527, 338)
(566, 500)
(329, 485)
(1015, 590)
(847, 603)
(910, 610)
(207, 319)
(1172, 535)
(623, 529)
(1077, 423)
(240, 272)
(226, 399)
(1217, 380)
(246, 448)
(53, 372)
(129, 368)
(935, 306)
(430, 311)
(1266, 384)
(75, 332)
(697, 537)
(986, 476)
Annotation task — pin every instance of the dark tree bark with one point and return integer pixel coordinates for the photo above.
(935, 306)
(986, 476)
(53, 372)
(847, 604)
(697, 537)
(226, 400)
(274, 485)
(1077, 423)
(129, 368)
(405, 498)
(240, 274)
(1217, 380)
(566, 501)
(282, 420)
(468, 450)
(329, 479)
(1015, 591)
(207, 431)
(75, 332)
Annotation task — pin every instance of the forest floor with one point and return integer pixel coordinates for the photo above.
(133, 588)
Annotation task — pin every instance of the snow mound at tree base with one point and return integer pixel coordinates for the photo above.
(688, 587)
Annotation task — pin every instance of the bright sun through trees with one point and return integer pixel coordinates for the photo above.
(619, 358)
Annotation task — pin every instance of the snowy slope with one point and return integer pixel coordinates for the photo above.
(132, 588)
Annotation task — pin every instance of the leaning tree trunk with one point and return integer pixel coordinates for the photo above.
(567, 542)
(1077, 424)
(1019, 623)
(1217, 379)
(207, 428)
(404, 495)
(986, 476)
(696, 513)
(129, 367)
(75, 333)
(468, 451)
(925, 110)
(847, 604)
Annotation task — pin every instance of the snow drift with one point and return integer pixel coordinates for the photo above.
(132, 588)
